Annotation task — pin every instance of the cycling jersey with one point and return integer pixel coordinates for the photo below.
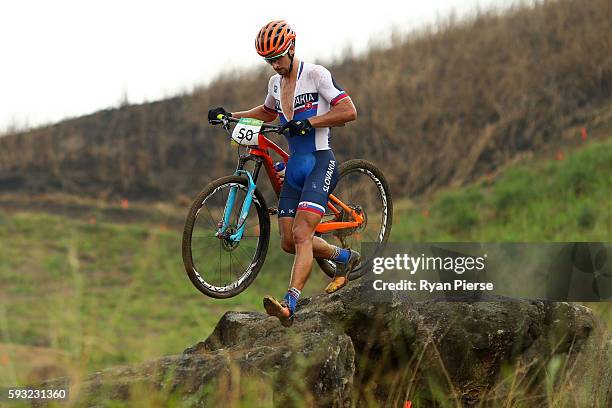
(315, 93)
(312, 170)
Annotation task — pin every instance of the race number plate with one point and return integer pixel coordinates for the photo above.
(246, 131)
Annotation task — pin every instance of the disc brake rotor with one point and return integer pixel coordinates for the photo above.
(226, 242)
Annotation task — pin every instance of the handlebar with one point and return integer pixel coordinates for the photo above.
(226, 120)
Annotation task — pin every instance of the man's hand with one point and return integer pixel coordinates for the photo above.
(215, 112)
(297, 127)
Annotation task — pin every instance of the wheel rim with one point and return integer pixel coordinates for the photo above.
(361, 188)
(220, 264)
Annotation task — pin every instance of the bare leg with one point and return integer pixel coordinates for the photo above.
(303, 232)
(320, 248)
(296, 237)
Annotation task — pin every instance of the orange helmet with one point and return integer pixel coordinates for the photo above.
(274, 39)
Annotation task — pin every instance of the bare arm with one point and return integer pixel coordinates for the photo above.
(256, 113)
(344, 111)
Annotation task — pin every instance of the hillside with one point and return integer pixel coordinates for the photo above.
(115, 292)
(436, 108)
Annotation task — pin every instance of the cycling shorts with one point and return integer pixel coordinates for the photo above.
(309, 180)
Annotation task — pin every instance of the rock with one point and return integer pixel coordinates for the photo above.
(345, 350)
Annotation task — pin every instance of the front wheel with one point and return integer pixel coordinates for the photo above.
(218, 265)
(363, 188)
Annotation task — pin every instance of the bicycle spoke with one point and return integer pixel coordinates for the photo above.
(243, 251)
(212, 219)
(239, 263)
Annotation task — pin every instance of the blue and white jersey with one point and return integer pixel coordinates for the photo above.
(315, 93)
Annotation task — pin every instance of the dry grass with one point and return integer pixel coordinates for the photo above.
(439, 107)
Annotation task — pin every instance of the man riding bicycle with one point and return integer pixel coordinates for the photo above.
(308, 102)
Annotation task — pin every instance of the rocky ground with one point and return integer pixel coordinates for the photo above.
(345, 350)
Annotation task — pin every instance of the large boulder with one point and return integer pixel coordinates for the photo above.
(346, 350)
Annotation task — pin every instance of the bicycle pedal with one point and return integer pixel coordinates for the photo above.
(272, 211)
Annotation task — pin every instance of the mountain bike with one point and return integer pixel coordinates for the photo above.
(227, 230)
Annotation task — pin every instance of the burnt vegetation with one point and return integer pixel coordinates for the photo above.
(437, 107)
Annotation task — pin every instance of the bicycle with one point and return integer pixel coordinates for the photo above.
(229, 217)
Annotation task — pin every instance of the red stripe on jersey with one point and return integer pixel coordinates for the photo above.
(338, 98)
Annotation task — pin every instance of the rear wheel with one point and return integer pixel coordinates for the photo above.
(362, 187)
(217, 265)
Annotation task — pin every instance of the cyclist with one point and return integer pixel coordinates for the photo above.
(308, 102)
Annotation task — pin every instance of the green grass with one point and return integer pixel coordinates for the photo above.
(566, 200)
(108, 294)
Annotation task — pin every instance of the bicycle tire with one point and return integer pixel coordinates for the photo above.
(370, 169)
(253, 269)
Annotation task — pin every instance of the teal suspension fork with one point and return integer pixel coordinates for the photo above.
(244, 211)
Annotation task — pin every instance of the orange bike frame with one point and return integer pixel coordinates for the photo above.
(262, 151)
